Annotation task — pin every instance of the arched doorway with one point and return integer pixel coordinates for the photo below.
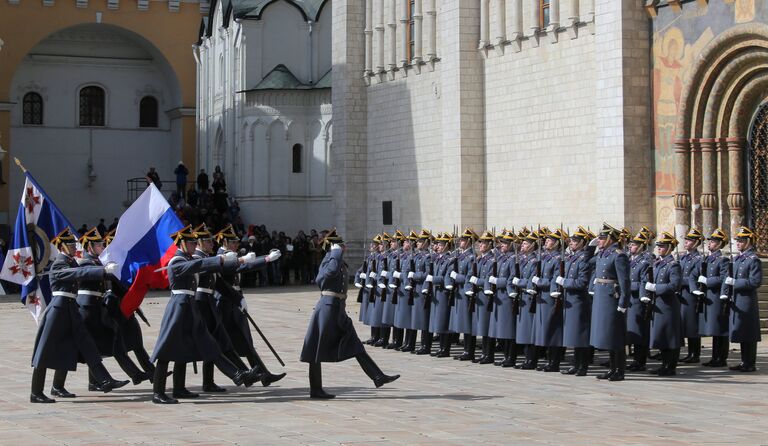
(758, 177)
(92, 136)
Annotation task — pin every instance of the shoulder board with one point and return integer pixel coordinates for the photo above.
(176, 259)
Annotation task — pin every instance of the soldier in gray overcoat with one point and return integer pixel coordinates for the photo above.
(714, 320)
(423, 263)
(548, 323)
(474, 288)
(440, 311)
(638, 325)
(528, 259)
(402, 286)
(461, 318)
(361, 279)
(690, 265)
(503, 320)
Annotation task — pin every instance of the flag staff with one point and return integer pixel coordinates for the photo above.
(18, 163)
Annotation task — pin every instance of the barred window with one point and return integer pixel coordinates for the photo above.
(544, 13)
(148, 112)
(32, 109)
(92, 106)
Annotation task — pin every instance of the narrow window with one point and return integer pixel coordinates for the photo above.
(148, 112)
(386, 210)
(92, 106)
(410, 31)
(297, 158)
(544, 14)
(32, 109)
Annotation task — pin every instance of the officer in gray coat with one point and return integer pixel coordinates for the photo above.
(331, 336)
(389, 294)
(440, 311)
(528, 260)
(361, 279)
(548, 323)
(714, 320)
(61, 335)
(577, 309)
(666, 283)
(503, 319)
(423, 291)
(740, 289)
(690, 264)
(183, 335)
(638, 325)
(611, 299)
(461, 318)
(402, 286)
(378, 282)
(474, 288)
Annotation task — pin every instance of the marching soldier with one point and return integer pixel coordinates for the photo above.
(474, 288)
(183, 335)
(610, 302)
(233, 306)
(461, 318)
(638, 326)
(331, 337)
(740, 289)
(379, 284)
(423, 291)
(102, 326)
(690, 264)
(666, 283)
(402, 286)
(62, 336)
(548, 323)
(524, 334)
(440, 311)
(577, 302)
(503, 320)
(361, 279)
(714, 320)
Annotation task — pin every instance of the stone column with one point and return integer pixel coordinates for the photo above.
(500, 31)
(736, 149)
(683, 174)
(380, 37)
(554, 14)
(392, 30)
(517, 20)
(368, 37)
(573, 17)
(708, 198)
(418, 18)
(535, 17)
(404, 5)
(432, 26)
(484, 24)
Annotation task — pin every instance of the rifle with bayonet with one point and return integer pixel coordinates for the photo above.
(648, 308)
(362, 284)
(429, 290)
(726, 308)
(561, 289)
(372, 293)
(411, 282)
(535, 297)
(701, 298)
(516, 293)
(473, 297)
(494, 273)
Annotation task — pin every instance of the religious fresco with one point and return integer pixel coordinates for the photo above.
(678, 38)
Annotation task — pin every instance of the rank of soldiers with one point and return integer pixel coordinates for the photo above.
(536, 293)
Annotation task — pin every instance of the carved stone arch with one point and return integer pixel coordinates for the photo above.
(327, 129)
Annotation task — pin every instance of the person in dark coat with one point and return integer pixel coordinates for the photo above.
(502, 320)
(62, 336)
(740, 291)
(690, 266)
(666, 283)
(392, 281)
(474, 288)
(202, 181)
(461, 318)
(638, 325)
(548, 323)
(528, 259)
(181, 173)
(377, 283)
(331, 336)
(183, 335)
(440, 308)
(361, 279)
(97, 317)
(609, 304)
(233, 307)
(423, 292)
(577, 305)
(714, 320)
(401, 286)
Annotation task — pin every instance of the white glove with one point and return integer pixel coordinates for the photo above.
(488, 292)
(591, 293)
(333, 247)
(645, 299)
(382, 286)
(392, 286)
(555, 294)
(358, 284)
(531, 292)
(702, 279)
(410, 274)
(492, 280)
(243, 305)
(396, 274)
(249, 258)
(110, 268)
(429, 278)
(229, 256)
(372, 275)
(473, 280)
(453, 275)
(535, 280)
(274, 255)
(369, 286)
(698, 293)
(384, 273)
(408, 288)
(594, 282)
(449, 287)
(621, 310)
(512, 294)
(724, 297)
(593, 242)
(729, 281)
(560, 280)
(650, 287)
(470, 293)
(363, 276)
(515, 281)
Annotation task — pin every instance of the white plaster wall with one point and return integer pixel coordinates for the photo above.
(284, 40)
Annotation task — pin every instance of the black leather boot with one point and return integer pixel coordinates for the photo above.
(531, 358)
(619, 365)
(715, 353)
(639, 358)
(510, 354)
(143, 358)
(397, 339)
(180, 390)
(445, 347)
(105, 380)
(38, 382)
(316, 382)
(666, 362)
(409, 344)
(611, 366)
(57, 388)
(582, 361)
(694, 351)
(244, 377)
(426, 343)
(470, 344)
(373, 371)
(749, 357)
(383, 340)
(554, 354)
(483, 350)
(374, 336)
(267, 377)
(208, 385)
(576, 363)
(489, 347)
(132, 370)
(158, 384)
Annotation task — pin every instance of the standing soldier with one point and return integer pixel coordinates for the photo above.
(403, 287)
(378, 282)
(577, 302)
(331, 336)
(391, 283)
(666, 283)
(714, 320)
(610, 302)
(526, 299)
(502, 324)
(62, 336)
(461, 318)
(548, 323)
(361, 279)
(638, 325)
(440, 311)
(740, 289)
(480, 313)
(423, 291)
(690, 265)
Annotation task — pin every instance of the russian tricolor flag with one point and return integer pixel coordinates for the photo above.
(142, 244)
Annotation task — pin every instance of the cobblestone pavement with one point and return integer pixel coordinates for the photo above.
(437, 401)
